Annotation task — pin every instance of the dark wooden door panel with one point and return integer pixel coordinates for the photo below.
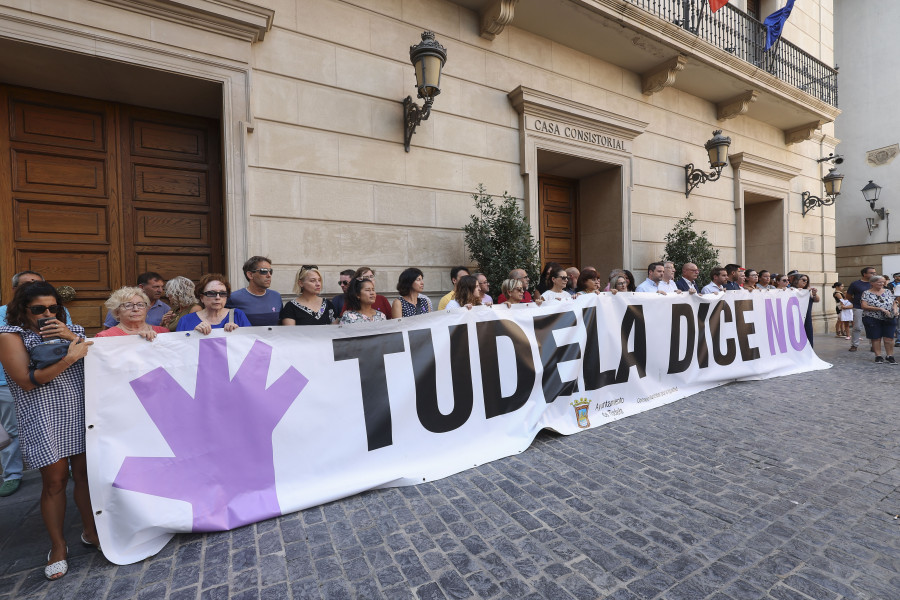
(93, 193)
(558, 204)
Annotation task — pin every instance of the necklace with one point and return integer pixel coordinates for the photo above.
(132, 331)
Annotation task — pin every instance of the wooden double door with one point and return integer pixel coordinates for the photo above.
(94, 193)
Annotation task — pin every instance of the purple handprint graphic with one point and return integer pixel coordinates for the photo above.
(221, 438)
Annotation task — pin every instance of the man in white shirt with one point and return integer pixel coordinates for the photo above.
(654, 276)
(719, 276)
(667, 285)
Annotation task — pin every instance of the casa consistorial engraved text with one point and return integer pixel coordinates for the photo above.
(578, 134)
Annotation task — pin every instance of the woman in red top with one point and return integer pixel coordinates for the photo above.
(129, 306)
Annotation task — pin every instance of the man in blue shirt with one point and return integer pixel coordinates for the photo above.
(154, 286)
(735, 277)
(655, 272)
(11, 456)
(261, 305)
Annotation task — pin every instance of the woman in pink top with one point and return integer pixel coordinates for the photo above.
(129, 306)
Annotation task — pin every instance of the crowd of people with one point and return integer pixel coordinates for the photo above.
(42, 394)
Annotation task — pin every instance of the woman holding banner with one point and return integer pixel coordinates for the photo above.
(359, 305)
(129, 307)
(308, 308)
(50, 406)
(214, 291)
(802, 282)
(588, 283)
(467, 293)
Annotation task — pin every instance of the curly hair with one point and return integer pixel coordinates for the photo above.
(180, 292)
(17, 309)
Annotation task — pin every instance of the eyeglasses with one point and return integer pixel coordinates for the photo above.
(264, 271)
(215, 294)
(308, 267)
(343, 283)
(563, 277)
(38, 309)
(130, 305)
(785, 280)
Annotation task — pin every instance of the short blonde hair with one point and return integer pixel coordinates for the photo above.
(302, 274)
(123, 295)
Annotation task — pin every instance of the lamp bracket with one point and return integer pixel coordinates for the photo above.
(413, 115)
(694, 177)
(810, 202)
(880, 212)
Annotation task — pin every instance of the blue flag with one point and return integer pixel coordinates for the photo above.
(775, 23)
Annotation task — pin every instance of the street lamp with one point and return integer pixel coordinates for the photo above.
(832, 183)
(428, 58)
(717, 148)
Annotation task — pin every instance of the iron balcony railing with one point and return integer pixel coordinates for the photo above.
(737, 32)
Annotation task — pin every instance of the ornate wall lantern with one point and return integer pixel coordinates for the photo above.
(832, 183)
(428, 58)
(717, 148)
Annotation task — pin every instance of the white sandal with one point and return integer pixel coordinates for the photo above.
(58, 569)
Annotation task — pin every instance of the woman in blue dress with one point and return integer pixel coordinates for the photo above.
(214, 290)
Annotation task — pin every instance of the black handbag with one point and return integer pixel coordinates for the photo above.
(48, 353)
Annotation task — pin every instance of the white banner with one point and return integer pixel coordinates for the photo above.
(206, 433)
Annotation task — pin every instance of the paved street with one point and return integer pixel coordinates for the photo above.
(784, 489)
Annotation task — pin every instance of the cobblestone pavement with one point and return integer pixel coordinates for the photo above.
(784, 489)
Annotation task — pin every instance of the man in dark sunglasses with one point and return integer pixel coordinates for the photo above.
(343, 280)
(261, 304)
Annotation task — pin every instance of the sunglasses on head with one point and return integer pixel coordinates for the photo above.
(263, 271)
(39, 309)
(214, 294)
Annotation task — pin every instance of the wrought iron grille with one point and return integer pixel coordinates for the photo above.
(737, 32)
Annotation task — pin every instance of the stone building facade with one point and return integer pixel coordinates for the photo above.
(870, 140)
(185, 135)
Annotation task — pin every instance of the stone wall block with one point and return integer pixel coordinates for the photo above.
(404, 206)
(274, 193)
(372, 160)
(297, 56)
(296, 149)
(337, 199)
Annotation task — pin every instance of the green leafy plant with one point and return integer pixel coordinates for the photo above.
(684, 245)
(499, 239)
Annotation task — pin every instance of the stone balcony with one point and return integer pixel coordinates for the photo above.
(719, 57)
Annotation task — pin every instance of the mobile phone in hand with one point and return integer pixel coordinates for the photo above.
(44, 321)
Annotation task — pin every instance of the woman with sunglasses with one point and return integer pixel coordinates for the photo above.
(214, 291)
(129, 306)
(50, 409)
(556, 292)
(308, 308)
(513, 290)
(781, 282)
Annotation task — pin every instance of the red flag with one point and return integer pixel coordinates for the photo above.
(717, 4)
